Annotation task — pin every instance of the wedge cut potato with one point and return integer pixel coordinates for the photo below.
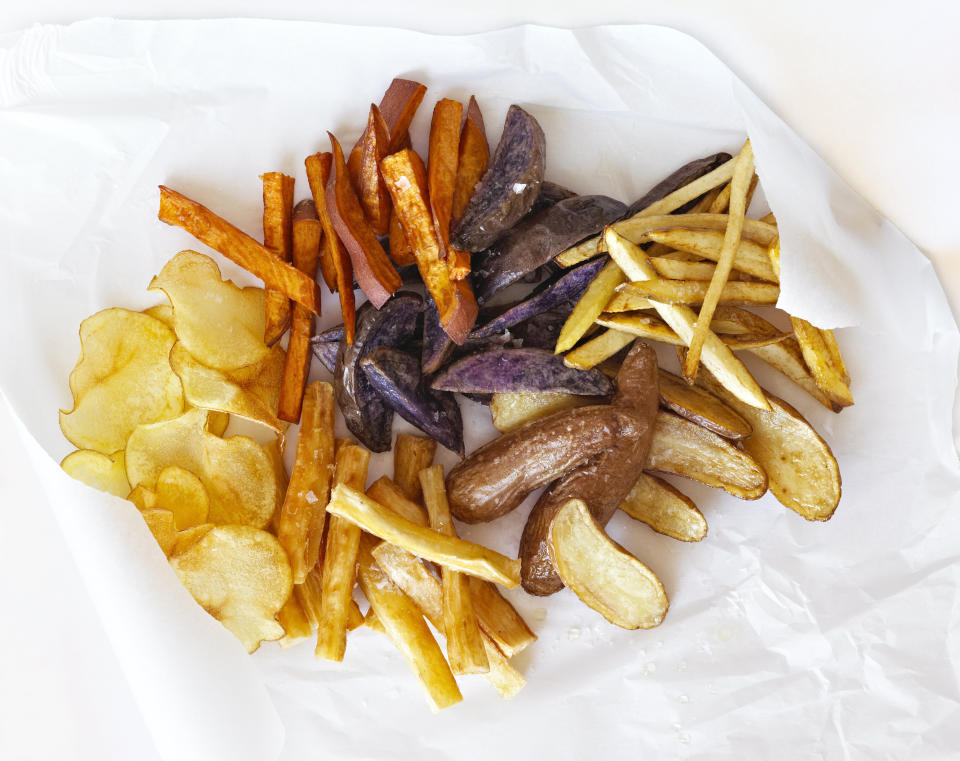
(700, 407)
(821, 354)
(602, 573)
(665, 509)
(512, 410)
(786, 357)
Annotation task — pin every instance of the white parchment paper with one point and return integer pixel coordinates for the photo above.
(785, 639)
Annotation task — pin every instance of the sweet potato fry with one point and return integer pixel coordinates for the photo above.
(464, 643)
(817, 355)
(450, 552)
(307, 232)
(406, 180)
(594, 351)
(303, 513)
(411, 454)
(374, 197)
(371, 266)
(498, 619)
(458, 264)
(474, 153)
(693, 292)
(278, 238)
(406, 628)
(388, 494)
(442, 158)
(340, 559)
(400, 251)
(398, 106)
(238, 247)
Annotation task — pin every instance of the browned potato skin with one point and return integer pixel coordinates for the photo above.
(603, 481)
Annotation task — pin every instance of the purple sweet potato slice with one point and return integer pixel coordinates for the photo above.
(368, 417)
(437, 345)
(336, 333)
(683, 176)
(537, 239)
(326, 352)
(397, 378)
(499, 370)
(543, 330)
(510, 185)
(550, 193)
(549, 296)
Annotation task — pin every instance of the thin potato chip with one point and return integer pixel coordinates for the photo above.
(241, 577)
(182, 493)
(142, 497)
(161, 525)
(105, 472)
(162, 312)
(190, 536)
(294, 621)
(217, 422)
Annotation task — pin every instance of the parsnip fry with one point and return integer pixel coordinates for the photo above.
(665, 509)
(498, 619)
(340, 559)
(594, 351)
(716, 355)
(751, 257)
(739, 185)
(590, 306)
(308, 594)
(238, 247)
(411, 454)
(388, 494)
(817, 355)
(294, 622)
(406, 628)
(303, 513)
(694, 292)
(450, 552)
(464, 643)
(278, 238)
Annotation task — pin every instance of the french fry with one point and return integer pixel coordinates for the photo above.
(355, 616)
(590, 305)
(411, 454)
(511, 410)
(373, 194)
(751, 258)
(334, 261)
(464, 644)
(389, 494)
(372, 267)
(498, 619)
(406, 179)
(672, 268)
(278, 239)
(665, 509)
(716, 355)
(179, 211)
(653, 328)
(693, 292)
(721, 202)
(442, 158)
(836, 358)
(818, 357)
(406, 628)
(400, 251)
(294, 622)
(450, 552)
(739, 185)
(786, 357)
(307, 232)
(474, 153)
(409, 574)
(303, 513)
(594, 351)
(340, 559)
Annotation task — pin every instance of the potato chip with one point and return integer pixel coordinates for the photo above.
(161, 525)
(182, 493)
(251, 391)
(238, 474)
(162, 312)
(122, 379)
(218, 322)
(241, 577)
(142, 497)
(105, 472)
(217, 422)
(190, 536)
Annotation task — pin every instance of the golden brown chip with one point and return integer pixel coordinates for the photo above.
(190, 536)
(241, 577)
(162, 312)
(142, 497)
(182, 493)
(105, 472)
(161, 525)
(217, 422)
(122, 379)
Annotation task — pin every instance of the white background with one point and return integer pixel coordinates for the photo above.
(871, 86)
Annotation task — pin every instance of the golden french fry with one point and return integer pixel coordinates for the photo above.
(105, 472)
(464, 644)
(340, 559)
(665, 509)
(693, 292)
(750, 258)
(511, 410)
(672, 267)
(650, 326)
(590, 305)
(700, 407)
(594, 351)
(388, 494)
(303, 513)
(278, 240)
(411, 454)
(786, 357)
(498, 619)
(818, 357)
(448, 551)
(836, 358)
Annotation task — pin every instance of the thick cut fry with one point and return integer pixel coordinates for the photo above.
(278, 238)
(398, 106)
(400, 251)
(704, 409)
(307, 232)
(372, 268)
(465, 649)
(750, 258)
(303, 513)
(373, 193)
(238, 247)
(450, 552)
(693, 292)
(405, 176)
(594, 351)
(818, 357)
(665, 509)
(716, 355)
(511, 410)
(388, 494)
(498, 619)
(410, 575)
(474, 153)
(739, 185)
(442, 158)
(786, 357)
(411, 454)
(590, 306)
(340, 559)
(409, 633)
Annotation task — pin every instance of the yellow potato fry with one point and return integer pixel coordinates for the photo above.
(739, 185)
(340, 559)
(411, 454)
(655, 329)
(464, 644)
(594, 351)
(511, 410)
(105, 472)
(123, 379)
(182, 493)
(498, 619)
(672, 268)
(693, 292)
(161, 525)
(294, 621)
(818, 357)
(836, 358)
(448, 551)
(750, 258)
(303, 513)
(665, 509)
(590, 305)
(388, 494)
(240, 576)
(278, 240)
(721, 201)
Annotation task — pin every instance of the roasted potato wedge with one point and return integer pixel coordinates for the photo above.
(665, 509)
(702, 408)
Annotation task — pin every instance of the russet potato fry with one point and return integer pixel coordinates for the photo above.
(693, 292)
(594, 351)
(590, 305)
(750, 258)
(672, 267)
(278, 239)
(820, 359)
(411, 454)
(702, 408)
(105, 472)
(665, 509)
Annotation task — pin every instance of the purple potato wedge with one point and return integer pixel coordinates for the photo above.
(542, 331)
(549, 296)
(686, 174)
(326, 352)
(538, 238)
(509, 187)
(437, 345)
(496, 371)
(550, 193)
(368, 417)
(336, 333)
(396, 376)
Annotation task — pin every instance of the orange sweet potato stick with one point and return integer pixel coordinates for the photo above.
(473, 158)
(442, 166)
(373, 193)
(278, 237)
